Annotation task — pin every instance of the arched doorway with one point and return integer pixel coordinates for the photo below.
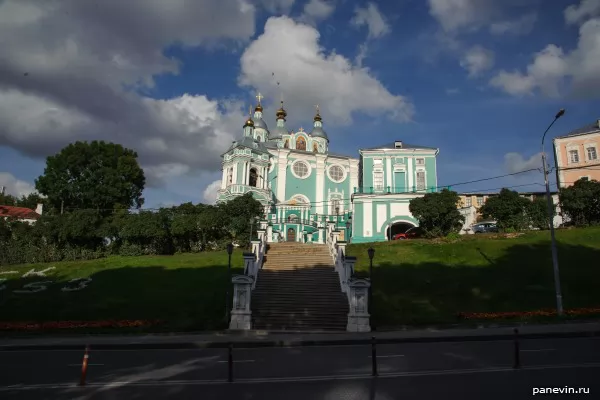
(398, 227)
(253, 177)
(291, 235)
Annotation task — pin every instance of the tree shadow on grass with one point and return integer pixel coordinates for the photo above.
(185, 299)
(520, 280)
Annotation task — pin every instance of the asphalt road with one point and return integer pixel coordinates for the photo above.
(407, 371)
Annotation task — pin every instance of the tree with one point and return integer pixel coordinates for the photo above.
(438, 213)
(241, 213)
(581, 202)
(96, 175)
(509, 209)
(538, 213)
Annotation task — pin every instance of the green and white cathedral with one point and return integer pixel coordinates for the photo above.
(303, 186)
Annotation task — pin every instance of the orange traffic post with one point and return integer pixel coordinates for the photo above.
(84, 366)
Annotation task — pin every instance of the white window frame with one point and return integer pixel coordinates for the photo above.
(307, 165)
(418, 159)
(344, 173)
(468, 201)
(419, 170)
(569, 155)
(587, 152)
(333, 197)
(480, 201)
(382, 187)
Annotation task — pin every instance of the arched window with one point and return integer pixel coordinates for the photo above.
(300, 143)
(229, 176)
(335, 206)
(253, 177)
(259, 138)
(315, 147)
(286, 144)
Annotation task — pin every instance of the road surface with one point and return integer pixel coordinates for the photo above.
(471, 370)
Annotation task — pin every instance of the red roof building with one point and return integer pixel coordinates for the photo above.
(21, 213)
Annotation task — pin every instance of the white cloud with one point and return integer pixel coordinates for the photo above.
(14, 186)
(575, 14)
(452, 91)
(552, 68)
(210, 193)
(372, 18)
(309, 76)
(454, 15)
(477, 60)
(515, 162)
(520, 26)
(64, 67)
(277, 6)
(317, 10)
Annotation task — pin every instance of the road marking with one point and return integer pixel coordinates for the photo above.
(21, 387)
(540, 350)
(236, 361)
(79, 365)
(389, 356)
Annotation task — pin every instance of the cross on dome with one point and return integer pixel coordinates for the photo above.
(301, 129)
(259, 97)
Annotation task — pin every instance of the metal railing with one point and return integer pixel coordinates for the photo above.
(513, 346)
(394, 189)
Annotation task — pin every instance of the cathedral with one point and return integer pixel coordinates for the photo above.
(303, 185)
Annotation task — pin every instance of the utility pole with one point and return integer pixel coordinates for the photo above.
(559, 303)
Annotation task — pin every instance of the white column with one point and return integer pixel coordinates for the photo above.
(320, 182)
(388, 172)
(224, 179)
(409, 172)
(235, 172)
(281, 174)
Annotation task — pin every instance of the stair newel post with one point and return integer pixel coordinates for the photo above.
(347, 272)
(335, 237)
(359, 318)
(330, 228)
(241, 315)
(321, 234)
(341, 254)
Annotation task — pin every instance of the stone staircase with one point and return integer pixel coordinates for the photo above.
(298, 289)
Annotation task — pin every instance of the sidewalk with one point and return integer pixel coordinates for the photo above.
(266, 339)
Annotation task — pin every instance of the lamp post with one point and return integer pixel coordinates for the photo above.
(559, 305)
(348, 225)
(227, 308)
(371, 252)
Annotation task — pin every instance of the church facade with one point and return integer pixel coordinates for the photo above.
(303, 185)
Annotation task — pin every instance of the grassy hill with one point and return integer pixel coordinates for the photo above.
(422, 281)
(415, 282)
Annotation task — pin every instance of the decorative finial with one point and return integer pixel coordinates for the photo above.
(317, 107)
(250, 111)
(259, 97)
(301, 129)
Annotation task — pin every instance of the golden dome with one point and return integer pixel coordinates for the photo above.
(249, 122)
(281, 113)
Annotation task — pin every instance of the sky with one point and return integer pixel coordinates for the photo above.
(479, 79)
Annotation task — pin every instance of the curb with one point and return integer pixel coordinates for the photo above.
(296, 343)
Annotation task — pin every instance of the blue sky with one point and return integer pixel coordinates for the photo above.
(479, 79)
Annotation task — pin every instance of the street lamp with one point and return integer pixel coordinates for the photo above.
(371, 252)
(559, 305)
(229, 252)
(348, 225)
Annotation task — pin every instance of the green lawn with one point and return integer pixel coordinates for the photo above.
(415, 282)
(187, 291)
(423, 282)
